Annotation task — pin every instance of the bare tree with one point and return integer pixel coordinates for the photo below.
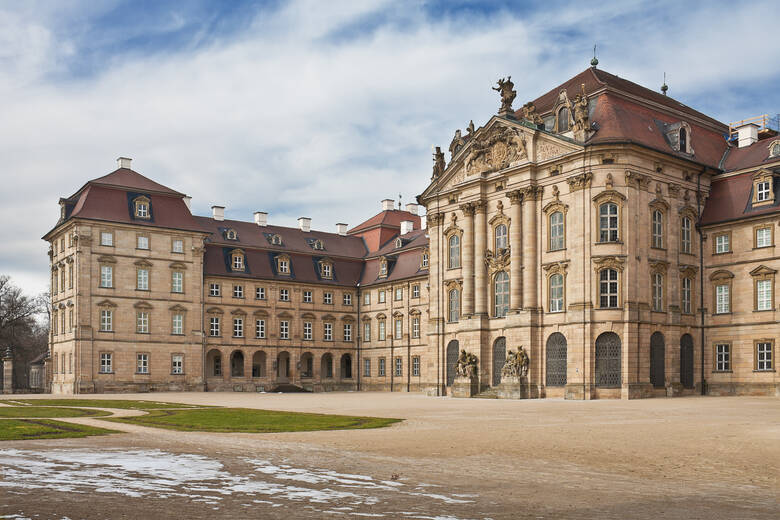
(15, 308)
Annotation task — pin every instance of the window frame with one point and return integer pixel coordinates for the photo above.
(721, 357)
(107, 238)
(415, 366)
(180, 326)
(142, 322)
(554, 237)
(657, 229)
(763, 227)
(284, 329)
(260, 328)
(686, 235)
(609, 294)
(174, 275)
(503, 310)
(727, 236)
(453, 305)
(453, 251)
(177, 365)
(765, 363)
(142, 363)
(308, 331)
(215, 289)
(106, 363)
(560, 307)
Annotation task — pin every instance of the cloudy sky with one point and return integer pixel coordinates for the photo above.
(319, 109)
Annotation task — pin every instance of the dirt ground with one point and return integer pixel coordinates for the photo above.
(691, 457)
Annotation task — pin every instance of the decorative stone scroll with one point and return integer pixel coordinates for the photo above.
(580, 182)
(637, 180)
(497, 261)
(495, 150)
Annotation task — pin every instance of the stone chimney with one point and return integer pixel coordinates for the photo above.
(218, 212)
(123, 162)
(387, 205)
(261, 218)
(412, 208)
(748, 134)
(305, 224)
(188, 202)
(406, 226)
(341, 229)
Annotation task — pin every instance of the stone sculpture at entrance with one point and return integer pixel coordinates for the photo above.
(516, 364)
(467, 365)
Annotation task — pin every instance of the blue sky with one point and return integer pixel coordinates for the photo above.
(319, 109)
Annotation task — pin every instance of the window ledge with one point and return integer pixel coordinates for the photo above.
(687, 253)
(176, 334)
(177, 373)
(143, 373)
(722, 371)
(618, 242)
(112, 372)
(722, 314)
(763, 247)
(770, 370)
(659, 248)
(764, 310)
(106, 331)
(722, 253)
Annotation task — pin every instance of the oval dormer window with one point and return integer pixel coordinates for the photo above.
(231, 234)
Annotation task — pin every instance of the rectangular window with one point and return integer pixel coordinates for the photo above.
(62, 279)
(238, 291)
(106, 238)
(366, 367)
(722, 357)
(142, 322)
(722, 244)
(556, 293)
(557, 239)
(327, 298)
(177, 246)
(106, 367)
(608, 288)
(142, 242)
(260, 329)
(259, 293)
(307, 330)
(284, 266)
(381, 298)
(177, 282)
(658, 229)
(381, 367)
(764, 355)
(142, 276)
(327, 332)
(307, 297)
(326, 272)
(399, 367)
(177, 324)
(399, 328)
(177, 364)
(284, 329)
(70, 319)
(142, 363)
(416, 327)
(366, 298)
(367, 331)
(284, 295)
(764, 295)
(347, 299)
(214, 326)
(106, 276)
(381, 330)
(214, 289)
(762, 191)
(416, 366)
(238, 327)
(723, 299)
(415, 291)
(238, 262)
(687, 283)
(685, 235)
(608, 222)
(347, 332)
(425, 260)
(106, 320)
(399, 293)
(658, 292)
(763, 237)
(70, 276)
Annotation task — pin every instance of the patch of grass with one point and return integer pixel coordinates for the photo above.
(100, 403)
(245, 420)
(19, 412)
(27, 429)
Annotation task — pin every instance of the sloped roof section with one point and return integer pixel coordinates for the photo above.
(390, 218)
(411, 240)
(130, 179)
(730, 199)
(755, 155)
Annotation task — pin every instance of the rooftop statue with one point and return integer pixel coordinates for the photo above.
(508, 94)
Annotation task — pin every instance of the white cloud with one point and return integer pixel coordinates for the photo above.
(287, 117)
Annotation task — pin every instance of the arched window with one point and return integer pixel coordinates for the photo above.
(658, 229)
(658, 292)
(685, 235)
(556, 231)
(683, 140)
(556, 293)
(454, 305)
(608, 371)
(556, 360)
(608, 288)
(608, 222)
(563, 119)
(775, 150)
(500, 233)
(454, 251)
(501, 294)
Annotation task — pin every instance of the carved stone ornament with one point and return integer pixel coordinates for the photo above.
(515, 196)
(610, 182)
(552, 268)
(579, 111)
(456, 144)
(508, 94)
(497, 261)
(495, 150)
(438, 163)
(637, 179)
(611, 262)
(516, 364)
(470, 128)
(580, 182)
(530, 114)
(434, 219)
(467, 364)
(658, 266)
(674, 190)
(468, 208)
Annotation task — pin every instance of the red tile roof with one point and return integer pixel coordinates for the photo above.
(730, 199)
(755, 155)
(126, 178)
(387, 218)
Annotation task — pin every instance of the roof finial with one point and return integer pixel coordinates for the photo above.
(595, 60)
(664, 87)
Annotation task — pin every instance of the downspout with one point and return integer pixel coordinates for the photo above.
(203, 313)
(701, 275)
(389, 295)
(408, 338)
(358, 335)
(439, 329)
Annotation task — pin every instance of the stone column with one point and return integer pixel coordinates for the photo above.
(516, 250)
(480, 269)
(8, 371)
(468, 259)
(530, 259)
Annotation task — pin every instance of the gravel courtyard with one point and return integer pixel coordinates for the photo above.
(687, 457)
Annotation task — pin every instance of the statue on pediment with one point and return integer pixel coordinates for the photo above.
(508, 94)
(579, 111)
(530, 114)
(438, 163)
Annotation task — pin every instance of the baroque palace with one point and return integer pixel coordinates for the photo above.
(625, 240)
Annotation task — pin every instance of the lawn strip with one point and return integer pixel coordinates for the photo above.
(101, 403)
(31, 429)
(21, 412)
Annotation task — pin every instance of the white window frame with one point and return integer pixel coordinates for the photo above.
(214, 326)
(177, 282)
(657, 229)
(764, 295)
(416, 366)
(307, 331)
(764, 356)
(106, 238)
(500, 237)
(686, 291)
(382, 333)
(215, 289)
(347, 332)
(382, 367)
(762, 191)
(142, 363)
(142, 279)
(260, 329)
(722, 299)
(556, 293)
(686, 244)
(238, 327)
(366, 367)
(367, 331)
(177, 245)
(453, 252)
(381, 296)
(106, 276)
(106, 320)
(142, 242)
(327, 298)
(501, 297)
(284, 295)
(722, 357)
(284, 329)
(763, 237)
(609, 287)
(177, 324)
(238, 262)
(658, 292)
(399, 367)
(557, 231)
(142, 322)
(238, 291)
(416, 290)
(416, 327)
(106, 363)
(398, 328)
(722, 244)
(347, 298)
(177, 364)
(609, 222)
(327, 331)
(366, 298)
(307, 297)
(259, 293)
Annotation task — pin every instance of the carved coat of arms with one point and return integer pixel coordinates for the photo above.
(496, 150)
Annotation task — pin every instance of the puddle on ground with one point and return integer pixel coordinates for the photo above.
(159, 474)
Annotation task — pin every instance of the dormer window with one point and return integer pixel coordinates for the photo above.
(318, 245)
(283, 264)
(563, 120)
(326, 269)
(763, 189)
(237, 260)
(383, 267)
(398, 243)
(273, 239)
(425, 259)
(231, 234)
(141, 207)
(774, 149)
(679, 137)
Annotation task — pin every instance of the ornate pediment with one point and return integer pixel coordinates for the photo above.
(495, 150)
